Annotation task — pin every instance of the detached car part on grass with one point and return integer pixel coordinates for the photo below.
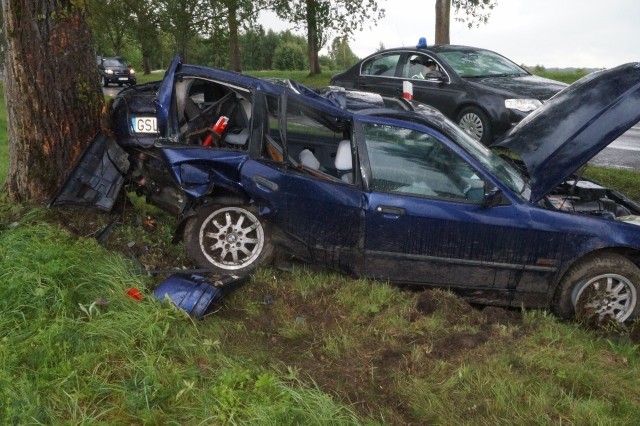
(381, 187)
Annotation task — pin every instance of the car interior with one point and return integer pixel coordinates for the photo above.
(200, 103)
(311, 146)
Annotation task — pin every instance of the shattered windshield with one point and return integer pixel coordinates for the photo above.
(481, 63)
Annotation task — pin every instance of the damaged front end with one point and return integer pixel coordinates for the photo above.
(583, 196)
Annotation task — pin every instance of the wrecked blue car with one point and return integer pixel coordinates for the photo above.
(379, 187)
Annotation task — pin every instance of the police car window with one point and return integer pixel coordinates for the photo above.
(383, 65)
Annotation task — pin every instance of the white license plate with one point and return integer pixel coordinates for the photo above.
(144, 125)
(123, 78)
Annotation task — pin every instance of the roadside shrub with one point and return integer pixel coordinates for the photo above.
(289, 56)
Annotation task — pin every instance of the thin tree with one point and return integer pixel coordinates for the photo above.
(143, 15)
(322, 18)
(52, 93)
(471, 12)
(112, 19)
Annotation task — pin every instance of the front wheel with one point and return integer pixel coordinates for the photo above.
(228, 239)
(104, 81)
(475, 122)
(600, 288)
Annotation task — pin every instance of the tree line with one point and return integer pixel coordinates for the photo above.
(225, 33)
(50, 120)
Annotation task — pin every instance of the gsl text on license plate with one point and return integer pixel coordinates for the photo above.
(144, 125)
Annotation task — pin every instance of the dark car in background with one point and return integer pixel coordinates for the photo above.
(115, 70)
(483, 92)
(380, 188)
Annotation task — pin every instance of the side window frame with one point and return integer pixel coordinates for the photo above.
(477, 184)
(379, 61)
(308, 144)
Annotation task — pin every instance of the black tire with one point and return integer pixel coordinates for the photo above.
(600, 288)
(475, 122)
(104, 81)
(228, 239)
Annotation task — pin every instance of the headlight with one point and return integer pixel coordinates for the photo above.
(132, 71)
(109, 71)
(524, 105)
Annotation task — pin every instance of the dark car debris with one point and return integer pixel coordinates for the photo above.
(379, 187)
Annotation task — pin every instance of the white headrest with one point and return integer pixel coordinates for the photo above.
(343, 156)
(309, 160)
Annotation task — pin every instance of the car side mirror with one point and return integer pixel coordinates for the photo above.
(492, 198)
(435, 75)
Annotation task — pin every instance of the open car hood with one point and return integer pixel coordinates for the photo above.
(572, 127)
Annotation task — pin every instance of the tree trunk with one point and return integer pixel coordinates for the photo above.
(52, 93)
(312, 38)
(443, 12)
(234, 44)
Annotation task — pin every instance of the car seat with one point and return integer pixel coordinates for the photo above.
(309, 160)
(343, 161)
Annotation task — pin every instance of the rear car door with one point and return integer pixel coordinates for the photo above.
(313, 209)
(379, 75)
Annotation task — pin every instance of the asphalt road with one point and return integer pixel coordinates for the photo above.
(112, 90)
(623, 153)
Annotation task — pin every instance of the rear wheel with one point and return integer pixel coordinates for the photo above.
(475, 122)
(601, 288)
(228, 239)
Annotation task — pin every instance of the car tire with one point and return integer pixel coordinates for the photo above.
(475, 122)
(104, 81)
(600, 288)
(228, 239)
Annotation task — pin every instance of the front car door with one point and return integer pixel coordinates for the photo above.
(441, 90)
(425, 219)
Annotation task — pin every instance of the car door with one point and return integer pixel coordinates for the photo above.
(312, 211)
(425, 222)
(444, 93)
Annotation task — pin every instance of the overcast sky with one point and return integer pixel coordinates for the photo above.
(553, 33)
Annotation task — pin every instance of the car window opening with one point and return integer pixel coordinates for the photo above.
(210, 114)
(311, 146)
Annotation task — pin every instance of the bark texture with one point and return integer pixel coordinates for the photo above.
(443, 13)
(52, 93)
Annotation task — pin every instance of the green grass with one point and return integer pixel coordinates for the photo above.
(325, 350)
(564, 76)
(626, 181)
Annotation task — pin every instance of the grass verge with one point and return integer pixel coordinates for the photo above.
(298, 347)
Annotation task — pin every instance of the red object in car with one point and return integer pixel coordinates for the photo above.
(218, 128)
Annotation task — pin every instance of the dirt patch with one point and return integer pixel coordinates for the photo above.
(143, 237)
(502, 316)
(454, 343)
(433, 301)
